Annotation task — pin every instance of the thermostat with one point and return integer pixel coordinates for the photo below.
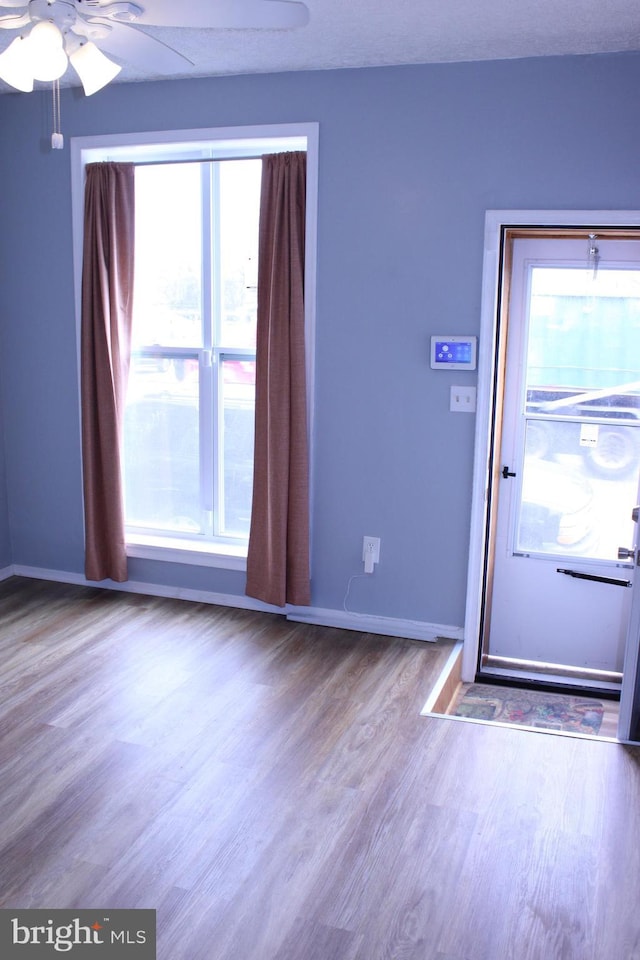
(453, 353)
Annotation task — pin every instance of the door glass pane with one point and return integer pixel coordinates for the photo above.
(582, 411)
(238, 406)
(572, 502)
(161, 446)
(583, 357)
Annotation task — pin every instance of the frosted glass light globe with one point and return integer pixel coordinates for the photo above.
(46, 51)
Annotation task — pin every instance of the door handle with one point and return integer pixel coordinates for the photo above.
(635, 514)
(590, 576)
(507, 473)
(625, 553)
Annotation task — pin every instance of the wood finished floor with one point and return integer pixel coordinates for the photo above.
(271, 790)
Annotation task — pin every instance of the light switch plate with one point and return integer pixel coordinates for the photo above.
(463, 400)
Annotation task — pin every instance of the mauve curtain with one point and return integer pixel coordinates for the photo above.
(107, 294)
(278, 554)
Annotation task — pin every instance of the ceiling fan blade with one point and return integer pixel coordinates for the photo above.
(239, 14)
(140, 50)
(13, 18)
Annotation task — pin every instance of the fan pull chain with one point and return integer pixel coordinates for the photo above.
(57, 140)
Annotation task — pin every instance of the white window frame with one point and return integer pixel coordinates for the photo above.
(205, 144)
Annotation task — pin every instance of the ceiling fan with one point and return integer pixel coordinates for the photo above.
(53, 33)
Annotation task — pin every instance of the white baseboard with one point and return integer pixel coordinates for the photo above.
(6, 572)
(368, 623)
(148, 589)
(363, 623)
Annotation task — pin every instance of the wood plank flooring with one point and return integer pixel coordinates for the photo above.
(272, 791)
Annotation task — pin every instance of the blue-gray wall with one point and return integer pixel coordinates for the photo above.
(410, 159)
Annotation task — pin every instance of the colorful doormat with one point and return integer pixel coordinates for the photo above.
(530, 708)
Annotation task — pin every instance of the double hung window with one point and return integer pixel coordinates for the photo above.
(188, 457)
(189, 416)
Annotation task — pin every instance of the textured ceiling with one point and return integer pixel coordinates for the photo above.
(359, 33)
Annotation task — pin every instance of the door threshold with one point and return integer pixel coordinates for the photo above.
(552, 677)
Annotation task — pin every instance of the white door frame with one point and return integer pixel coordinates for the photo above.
(495, 220)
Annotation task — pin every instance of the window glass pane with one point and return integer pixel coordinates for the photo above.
(168, 285)
(238, 404)
(584, 343)
(161, 446)
(239, 212)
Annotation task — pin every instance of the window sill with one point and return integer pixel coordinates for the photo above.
(173, 550)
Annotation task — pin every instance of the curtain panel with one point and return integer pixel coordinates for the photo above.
(278, 554)
(107, 295)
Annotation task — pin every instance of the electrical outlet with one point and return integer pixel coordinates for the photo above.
(370, 552)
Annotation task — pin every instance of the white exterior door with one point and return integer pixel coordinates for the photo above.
(565, 477)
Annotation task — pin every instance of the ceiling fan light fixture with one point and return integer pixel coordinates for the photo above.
(45, 51)
(93, 67)
(15, 66)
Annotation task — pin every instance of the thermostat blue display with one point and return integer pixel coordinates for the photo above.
(453, 353)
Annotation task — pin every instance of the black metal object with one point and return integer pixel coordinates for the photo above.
(507, 473)
(550, 686)
(590, 576)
